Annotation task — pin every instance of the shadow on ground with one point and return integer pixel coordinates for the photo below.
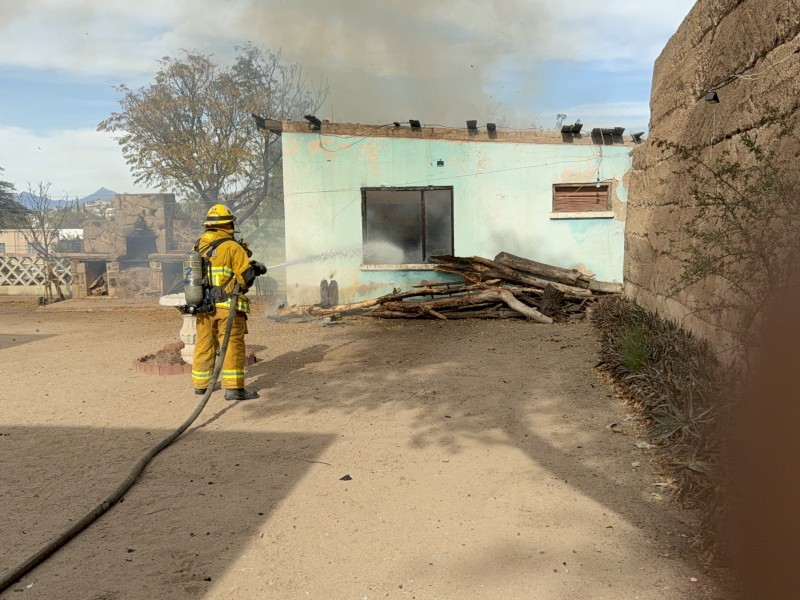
(10, 341)
(175, 532)
(542, 395)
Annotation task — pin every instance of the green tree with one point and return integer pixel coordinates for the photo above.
(192, 130)
(10, 209)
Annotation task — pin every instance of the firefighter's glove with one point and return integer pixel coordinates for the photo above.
(258, 268)
(252, 271)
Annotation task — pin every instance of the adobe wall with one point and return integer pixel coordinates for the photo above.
(747, 50)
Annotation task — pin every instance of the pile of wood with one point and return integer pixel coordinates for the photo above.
(506, 287)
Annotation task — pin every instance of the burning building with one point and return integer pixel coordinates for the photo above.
(368, 206)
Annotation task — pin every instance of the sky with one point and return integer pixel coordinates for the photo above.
(517, 63)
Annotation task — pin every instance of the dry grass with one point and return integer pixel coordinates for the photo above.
(677, 383)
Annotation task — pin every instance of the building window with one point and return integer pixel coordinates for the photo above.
(406, 225)
(2, 248)
(33, 248)
(582, 197)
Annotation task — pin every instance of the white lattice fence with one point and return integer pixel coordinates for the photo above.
(30, 271)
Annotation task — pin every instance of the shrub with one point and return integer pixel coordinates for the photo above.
(677, 382)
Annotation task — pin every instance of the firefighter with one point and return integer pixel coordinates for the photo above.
(230, 265)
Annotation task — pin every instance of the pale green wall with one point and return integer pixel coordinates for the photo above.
(502, 197)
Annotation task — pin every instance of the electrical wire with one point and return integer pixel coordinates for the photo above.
(450, 177)
(427, 181)
(11, 577)
(372, 130)
(772, 65)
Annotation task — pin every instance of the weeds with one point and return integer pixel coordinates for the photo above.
(633, 348)
(677, 382)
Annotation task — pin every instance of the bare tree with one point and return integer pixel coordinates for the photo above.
(39, 224)
(738, 230)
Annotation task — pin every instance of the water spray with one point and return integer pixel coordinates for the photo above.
(354, 252)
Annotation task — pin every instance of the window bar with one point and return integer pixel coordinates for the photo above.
(424, 241)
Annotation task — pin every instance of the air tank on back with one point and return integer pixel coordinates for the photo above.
(193, 278)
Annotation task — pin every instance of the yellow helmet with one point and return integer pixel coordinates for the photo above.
(219, 214)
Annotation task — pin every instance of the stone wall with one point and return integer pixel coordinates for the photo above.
(143, 226)
(746, 50)
(155, 211)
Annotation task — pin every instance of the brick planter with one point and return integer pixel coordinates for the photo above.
(154, 369)
(140, 365)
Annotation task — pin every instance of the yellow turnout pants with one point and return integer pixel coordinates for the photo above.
(210, 332)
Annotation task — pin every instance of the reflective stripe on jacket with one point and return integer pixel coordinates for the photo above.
(228, 262)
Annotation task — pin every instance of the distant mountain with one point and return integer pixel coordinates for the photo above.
(101, 194)
(28, 200)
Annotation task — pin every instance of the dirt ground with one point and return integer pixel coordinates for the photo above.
(384, 459)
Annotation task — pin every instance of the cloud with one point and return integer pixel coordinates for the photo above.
(630, 32)
(75, 162)
(409, 38)
(441, 62)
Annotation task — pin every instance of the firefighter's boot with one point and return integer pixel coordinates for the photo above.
(240, 394)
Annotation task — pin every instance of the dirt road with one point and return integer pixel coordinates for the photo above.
(479, 457)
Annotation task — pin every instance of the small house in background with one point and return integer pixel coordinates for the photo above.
(367, 206)
(13, 242)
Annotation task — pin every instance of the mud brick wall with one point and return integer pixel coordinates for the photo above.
(747, 51)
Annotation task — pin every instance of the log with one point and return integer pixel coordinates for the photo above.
(517, 290)
(530, 301)
(391, 314)
(530, 289)
(605, 287)
(489, 313)
(531, 313)
(557, 274)
(497, 313)
(550, 304)
(518, 277)
(319, 311)
(476, 268)
(471, 299)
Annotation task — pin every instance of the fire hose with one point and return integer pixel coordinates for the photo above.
(17, 573)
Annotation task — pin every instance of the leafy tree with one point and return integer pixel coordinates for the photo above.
(192, 130)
